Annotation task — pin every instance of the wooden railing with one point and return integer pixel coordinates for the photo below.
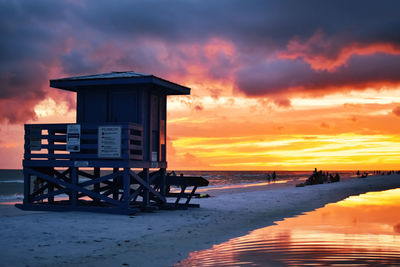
(49, 142)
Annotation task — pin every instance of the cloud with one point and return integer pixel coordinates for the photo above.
(28, 52)
(396, 111)
(283, 76)
(323, 54)
(282, 102)
(324, 125)
(267, 48)
(353, 119)
(199, 107)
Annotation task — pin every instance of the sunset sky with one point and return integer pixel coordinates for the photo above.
(275, 85)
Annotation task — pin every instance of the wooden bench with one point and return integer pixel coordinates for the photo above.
(183, 182)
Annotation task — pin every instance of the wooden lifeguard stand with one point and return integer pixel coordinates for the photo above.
(103, 161)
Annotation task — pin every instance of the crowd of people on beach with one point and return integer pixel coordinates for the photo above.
(320, 177)
(365, 174)
(385, 173)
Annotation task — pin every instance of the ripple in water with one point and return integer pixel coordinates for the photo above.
(358, 231)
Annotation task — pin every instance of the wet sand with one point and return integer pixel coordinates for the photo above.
(162, 238)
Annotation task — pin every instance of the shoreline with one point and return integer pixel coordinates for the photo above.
(162, 238)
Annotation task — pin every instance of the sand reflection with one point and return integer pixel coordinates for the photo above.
(360, 230)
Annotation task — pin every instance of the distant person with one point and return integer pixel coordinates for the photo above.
(358, 173)
(326, 177)
(273, 176)
(320, 177)
(337, 177)
(269, 178)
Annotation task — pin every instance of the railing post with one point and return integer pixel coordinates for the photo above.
(50, 152)
(27, 151)
(50, 143)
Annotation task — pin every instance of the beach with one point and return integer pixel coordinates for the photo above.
(162, 238)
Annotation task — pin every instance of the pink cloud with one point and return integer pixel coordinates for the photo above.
(329, 54)
(283, 102)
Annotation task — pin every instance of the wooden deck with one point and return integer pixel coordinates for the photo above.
(61, 180)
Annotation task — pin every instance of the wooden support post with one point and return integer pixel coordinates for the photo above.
(51, 186)
(74, 181)
(96, 186)
(163, 182)
(189, 197)
(126, 187)
(50, 150)
(146, 195)
(115, 184)
(27, 187)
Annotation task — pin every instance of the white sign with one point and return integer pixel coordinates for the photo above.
(35, 138)
(109, 142)
(74, 137)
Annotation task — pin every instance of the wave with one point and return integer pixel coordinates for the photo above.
(11, 197)
(12, 181)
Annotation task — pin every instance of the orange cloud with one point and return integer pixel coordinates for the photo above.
(396, 111)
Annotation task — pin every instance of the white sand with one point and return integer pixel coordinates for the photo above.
(160, 238)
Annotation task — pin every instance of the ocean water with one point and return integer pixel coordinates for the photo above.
(361, 230)
(12, 181)
(11, 185)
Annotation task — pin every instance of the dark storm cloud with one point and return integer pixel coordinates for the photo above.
(28, 47)
(264, 22)
(80, 37)
(296, 75)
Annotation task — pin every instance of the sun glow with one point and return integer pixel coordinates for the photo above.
(349, 151)
(385, 96)
(49, 107)
(52, 111)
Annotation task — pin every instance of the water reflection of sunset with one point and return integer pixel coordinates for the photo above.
(387, 199)
(359, 230)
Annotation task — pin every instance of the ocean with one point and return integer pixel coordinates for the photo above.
(12, 181)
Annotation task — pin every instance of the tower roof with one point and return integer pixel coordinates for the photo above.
(118, 78)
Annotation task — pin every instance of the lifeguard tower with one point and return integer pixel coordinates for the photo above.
(103, 161)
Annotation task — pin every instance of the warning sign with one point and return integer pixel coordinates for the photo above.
(74, 137)
(109, 142)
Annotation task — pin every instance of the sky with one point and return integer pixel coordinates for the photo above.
(275, 85)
